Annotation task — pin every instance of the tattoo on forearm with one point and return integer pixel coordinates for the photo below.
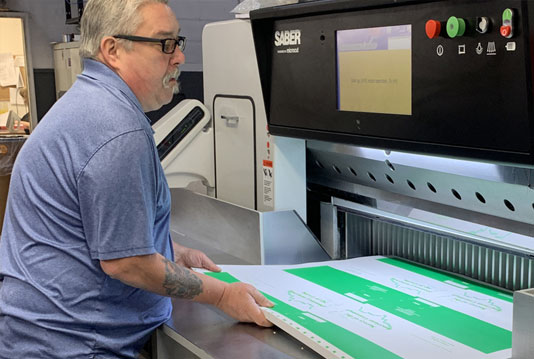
(180, 282)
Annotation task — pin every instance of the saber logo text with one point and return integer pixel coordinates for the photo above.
(287, 37)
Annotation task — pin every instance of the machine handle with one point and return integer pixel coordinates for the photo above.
(231, 121)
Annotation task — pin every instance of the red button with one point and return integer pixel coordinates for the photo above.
(506, 30)
(433, 29)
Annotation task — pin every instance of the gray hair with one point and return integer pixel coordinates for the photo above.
(107, 18)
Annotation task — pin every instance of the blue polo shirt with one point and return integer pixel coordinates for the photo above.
(86, 186)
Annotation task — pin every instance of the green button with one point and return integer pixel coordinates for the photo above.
(455, 27)
(507, 15)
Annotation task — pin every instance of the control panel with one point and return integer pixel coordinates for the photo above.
(458, 27)
(448, 77)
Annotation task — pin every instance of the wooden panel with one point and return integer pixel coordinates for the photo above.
(4, 93)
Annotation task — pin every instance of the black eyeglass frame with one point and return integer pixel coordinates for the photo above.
(178, 41)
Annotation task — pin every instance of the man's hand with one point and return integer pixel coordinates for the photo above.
(192, 258)
(242, 301)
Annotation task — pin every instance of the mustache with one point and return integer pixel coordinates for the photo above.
(172, 75)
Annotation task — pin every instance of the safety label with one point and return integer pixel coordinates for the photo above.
(268, 183)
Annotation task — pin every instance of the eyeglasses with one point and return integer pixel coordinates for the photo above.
(167, 45)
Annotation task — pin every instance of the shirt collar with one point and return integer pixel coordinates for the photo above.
(101, 72)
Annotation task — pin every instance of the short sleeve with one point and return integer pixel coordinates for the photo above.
(117, 191)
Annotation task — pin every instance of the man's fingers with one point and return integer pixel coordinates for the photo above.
(259, 317)
(262, 321)
(243, 302)
(209, 265)
(260, 299)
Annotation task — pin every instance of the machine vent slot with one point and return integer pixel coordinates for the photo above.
(179, 132)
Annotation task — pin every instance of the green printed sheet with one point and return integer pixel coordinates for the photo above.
(376, 307)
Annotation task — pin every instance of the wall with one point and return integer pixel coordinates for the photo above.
(47, 24)
(193, 15)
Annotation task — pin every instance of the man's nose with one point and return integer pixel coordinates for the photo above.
(178, 57)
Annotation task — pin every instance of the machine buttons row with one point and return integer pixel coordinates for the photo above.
(457, 26)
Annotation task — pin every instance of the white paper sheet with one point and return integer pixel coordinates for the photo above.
(19, 61)
(8, 75)
(394, 330)
(15, 98)
(3, 119)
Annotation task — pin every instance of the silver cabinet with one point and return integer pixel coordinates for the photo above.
(67, 65)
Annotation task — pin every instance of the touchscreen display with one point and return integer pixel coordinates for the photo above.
(374, 70)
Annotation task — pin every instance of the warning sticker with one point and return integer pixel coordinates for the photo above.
(268, 183)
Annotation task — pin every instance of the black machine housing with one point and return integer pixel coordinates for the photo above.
(470, 105)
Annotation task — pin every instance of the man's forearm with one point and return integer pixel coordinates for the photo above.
(157, 274)
(180, 282)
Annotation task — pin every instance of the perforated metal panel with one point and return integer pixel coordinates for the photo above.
(482, 188)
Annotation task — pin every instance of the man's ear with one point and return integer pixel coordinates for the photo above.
(109, 51)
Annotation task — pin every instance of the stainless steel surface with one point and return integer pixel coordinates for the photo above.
(215, 224)
(209, 333)
(404, 219)
(523, 325)
(221, 257)
(231, 234)
(330, 238)
(287, 240)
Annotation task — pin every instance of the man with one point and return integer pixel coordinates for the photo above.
(86, 253)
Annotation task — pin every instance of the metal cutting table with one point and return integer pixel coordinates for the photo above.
(200, 331)
(235, 235)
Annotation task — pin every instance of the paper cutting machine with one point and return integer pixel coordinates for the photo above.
(398, 128)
